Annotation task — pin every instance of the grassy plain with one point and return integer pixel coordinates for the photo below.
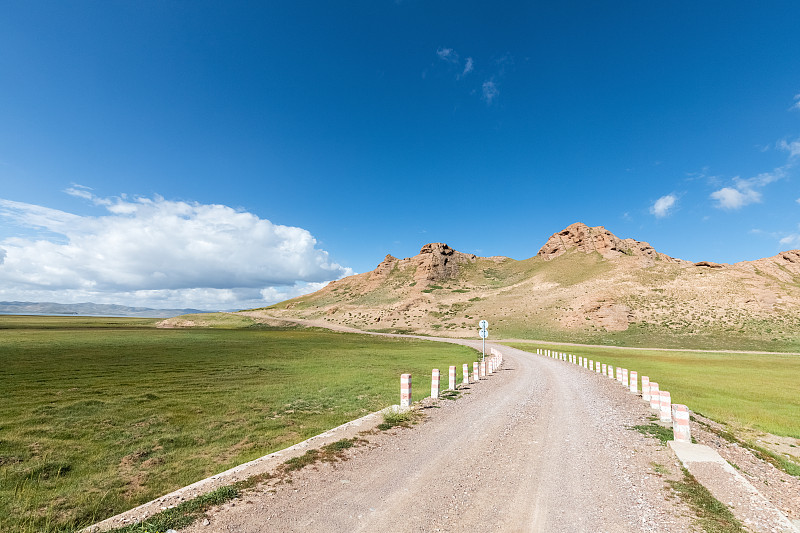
(101, 414)
(745, 390)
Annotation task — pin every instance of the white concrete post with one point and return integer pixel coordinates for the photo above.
(466, 373)
(610, 372)
(483, 368)
(680, 423)
(405, 390)
(475, 373)
(645, 388)
(634, 378)
(605, 369)
(435, 383)
(625, 378)
(655, 396)
(451, 382)
(666, 406)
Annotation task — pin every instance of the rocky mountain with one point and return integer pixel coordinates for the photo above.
(584, 285)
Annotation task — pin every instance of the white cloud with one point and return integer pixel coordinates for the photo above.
(447, 54)
(490, 91)
(468, 67)
(663, 205)
(157, 252)
(744, 191)
(730, 198)
(796, 104)
(792, 240)
(793, 147)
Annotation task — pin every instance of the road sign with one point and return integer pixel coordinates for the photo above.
(483, 324)
(484, 333)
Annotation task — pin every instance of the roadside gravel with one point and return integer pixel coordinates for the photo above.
(538, 446)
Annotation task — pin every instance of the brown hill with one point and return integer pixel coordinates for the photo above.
(584, 285)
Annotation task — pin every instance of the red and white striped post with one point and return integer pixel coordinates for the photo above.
(585, 363)
(625, 378)
(466, 373)
(666, 406)
(655, 397)
(645, 388)
(489, 365)
(475, 373)
(680, 423)
(597, 366)
(610, 372)
(483, 368)
(605, 369)
(451, 382)
(619, 374)
(634, 379)
(435, 383)
(405, 390)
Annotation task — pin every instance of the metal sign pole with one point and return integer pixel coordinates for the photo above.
(484, 332)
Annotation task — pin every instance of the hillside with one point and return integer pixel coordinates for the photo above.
(584, 285)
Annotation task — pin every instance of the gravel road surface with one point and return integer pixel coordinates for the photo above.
(540, 445)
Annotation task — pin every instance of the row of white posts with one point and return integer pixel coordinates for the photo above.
(659, 400)
(479, 371)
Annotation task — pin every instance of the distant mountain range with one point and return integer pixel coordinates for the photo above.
(585, 285)
(88, 308)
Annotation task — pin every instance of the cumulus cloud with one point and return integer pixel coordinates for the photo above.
(796, 104)
(490, 91)
(663, 205)
(730, 198)
(745, 191)
(157, 252)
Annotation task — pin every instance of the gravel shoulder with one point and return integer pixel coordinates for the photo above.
(538, 446)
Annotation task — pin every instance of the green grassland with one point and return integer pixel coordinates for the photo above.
(744, 390)
(101, 414)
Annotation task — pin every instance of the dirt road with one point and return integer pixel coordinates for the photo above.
(538, 446)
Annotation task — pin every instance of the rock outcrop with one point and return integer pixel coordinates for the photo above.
(437, 262)
(598, 239)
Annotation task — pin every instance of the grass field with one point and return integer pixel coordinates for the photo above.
(101, 414)
(745, 390)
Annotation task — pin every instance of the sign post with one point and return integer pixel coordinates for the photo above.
(484, 332)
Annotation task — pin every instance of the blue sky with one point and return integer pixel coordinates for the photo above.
(226, 155)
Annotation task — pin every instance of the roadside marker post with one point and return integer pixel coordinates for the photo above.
(475, 374)
(451, 382)
(645, 388)
(634, 378)
(680, 423)
(405, 390)
(666, 406)
(625, 378)
(655, 396)
(466, 373)
(435, 383)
